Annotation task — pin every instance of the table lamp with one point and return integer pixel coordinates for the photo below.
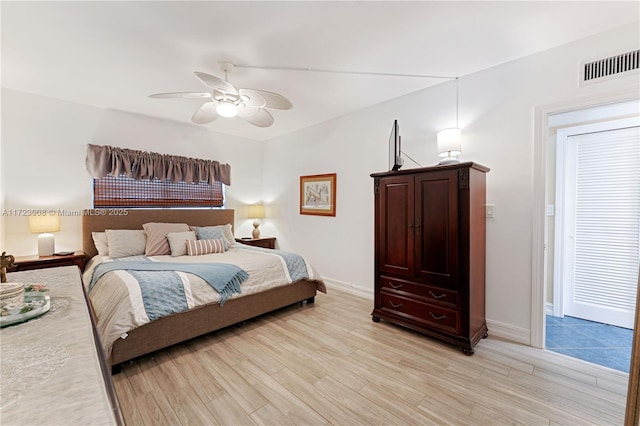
(256, 211)
(43, 225)
(449, 140)
(449, 145)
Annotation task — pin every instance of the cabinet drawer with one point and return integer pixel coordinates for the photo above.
(424, 313)
(430, 294)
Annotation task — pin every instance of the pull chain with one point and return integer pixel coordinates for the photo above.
(457, 103)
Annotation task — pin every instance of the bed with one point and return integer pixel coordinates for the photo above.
(255, 299)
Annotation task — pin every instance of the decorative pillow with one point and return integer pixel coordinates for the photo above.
(100, 241)
(157, 243)
(198, 247)
(126, 242)
(228, 234)
(178, 242)
(211, 232)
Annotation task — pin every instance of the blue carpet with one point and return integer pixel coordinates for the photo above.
(595, 342)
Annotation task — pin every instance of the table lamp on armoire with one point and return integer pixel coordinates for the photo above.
(256, 211)
(44, 225)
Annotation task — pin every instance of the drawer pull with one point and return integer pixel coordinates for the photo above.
(394, 306)
(395, 287)
(439, 296)
(437, 317)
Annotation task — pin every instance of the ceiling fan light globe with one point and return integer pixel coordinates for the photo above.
(226, 109)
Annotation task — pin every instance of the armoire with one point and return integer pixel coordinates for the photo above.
(430, 251)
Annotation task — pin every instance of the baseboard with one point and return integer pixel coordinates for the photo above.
(548, 308)
(498, 329)
(348, 287)
(509, 332)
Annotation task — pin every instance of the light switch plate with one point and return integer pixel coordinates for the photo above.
(490, 211)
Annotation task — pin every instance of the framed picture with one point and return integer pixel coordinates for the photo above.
(318, 195)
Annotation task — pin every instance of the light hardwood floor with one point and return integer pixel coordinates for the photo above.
(328, 363)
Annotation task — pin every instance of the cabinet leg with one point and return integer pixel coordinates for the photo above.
(375, 319)
(467, 351)
(485, 335)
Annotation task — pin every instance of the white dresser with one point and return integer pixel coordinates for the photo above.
(51, 370)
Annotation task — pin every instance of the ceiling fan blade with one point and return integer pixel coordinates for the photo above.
(188, 95)
(256, 116)
(205, 114)
(272, 100)
(216, 83)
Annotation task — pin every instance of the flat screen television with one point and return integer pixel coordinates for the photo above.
(395, 160)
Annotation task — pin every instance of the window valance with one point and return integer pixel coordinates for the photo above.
(103, 160)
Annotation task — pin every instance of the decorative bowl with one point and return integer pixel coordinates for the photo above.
(11, 293)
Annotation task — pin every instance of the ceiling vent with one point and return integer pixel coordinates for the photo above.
(605, 69)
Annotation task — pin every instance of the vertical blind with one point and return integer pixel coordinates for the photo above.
(607, 227)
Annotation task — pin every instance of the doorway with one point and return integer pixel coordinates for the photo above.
(596, 240)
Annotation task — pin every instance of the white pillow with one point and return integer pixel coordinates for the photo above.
(228, 234)
(178, 242)
(100, 241)
(126, 242)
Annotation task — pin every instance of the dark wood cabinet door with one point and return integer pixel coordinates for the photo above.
(395, 225)
(436, 228)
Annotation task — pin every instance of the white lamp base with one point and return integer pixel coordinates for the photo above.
(46, 244)
(256, 230)
(448, 160)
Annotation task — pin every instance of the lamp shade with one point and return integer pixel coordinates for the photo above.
(43, 225)
(46, 223)
(449, 143)
(256, 211)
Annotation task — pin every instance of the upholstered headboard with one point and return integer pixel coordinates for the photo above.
(101, 219)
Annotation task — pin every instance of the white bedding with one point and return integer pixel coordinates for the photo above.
(117, 300)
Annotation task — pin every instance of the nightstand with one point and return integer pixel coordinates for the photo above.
(265, 242)
(25, 263)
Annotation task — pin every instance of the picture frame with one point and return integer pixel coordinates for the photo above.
(318, 194)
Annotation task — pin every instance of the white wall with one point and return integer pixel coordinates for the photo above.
(43, 160)
(496, 114)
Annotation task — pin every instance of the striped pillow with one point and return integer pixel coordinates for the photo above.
(198, 247)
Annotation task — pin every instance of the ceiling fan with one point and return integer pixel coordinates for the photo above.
(224, 100)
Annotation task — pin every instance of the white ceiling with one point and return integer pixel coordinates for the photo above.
(114, 54)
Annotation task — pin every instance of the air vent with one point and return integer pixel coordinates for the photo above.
(609, 67)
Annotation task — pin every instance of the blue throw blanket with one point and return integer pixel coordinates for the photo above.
(162, 293)
(223, 277)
